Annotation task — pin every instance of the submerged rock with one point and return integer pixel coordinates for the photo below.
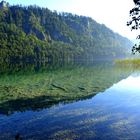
(59, 87)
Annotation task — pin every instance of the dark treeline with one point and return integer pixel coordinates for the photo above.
(33, 33)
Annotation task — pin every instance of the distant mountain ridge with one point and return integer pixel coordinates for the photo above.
(34, 33)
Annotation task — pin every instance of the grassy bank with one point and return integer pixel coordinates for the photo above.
(128, 61)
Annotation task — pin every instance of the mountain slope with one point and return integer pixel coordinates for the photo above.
(33, 33)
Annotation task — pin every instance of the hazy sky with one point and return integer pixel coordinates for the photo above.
(113, 13)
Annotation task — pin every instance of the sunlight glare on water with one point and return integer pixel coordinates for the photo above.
(132, 83)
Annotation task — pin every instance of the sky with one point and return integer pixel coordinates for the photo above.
(113, 13)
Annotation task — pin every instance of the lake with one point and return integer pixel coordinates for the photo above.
(98, 101)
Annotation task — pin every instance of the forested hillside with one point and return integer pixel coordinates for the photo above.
(33, 33)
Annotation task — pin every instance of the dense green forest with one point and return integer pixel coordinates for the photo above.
(34, 33)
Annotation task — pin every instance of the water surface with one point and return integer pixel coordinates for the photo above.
(112, 113)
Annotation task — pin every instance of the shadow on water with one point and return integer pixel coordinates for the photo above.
(35, 104)
(18, 136)
(28, 86)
